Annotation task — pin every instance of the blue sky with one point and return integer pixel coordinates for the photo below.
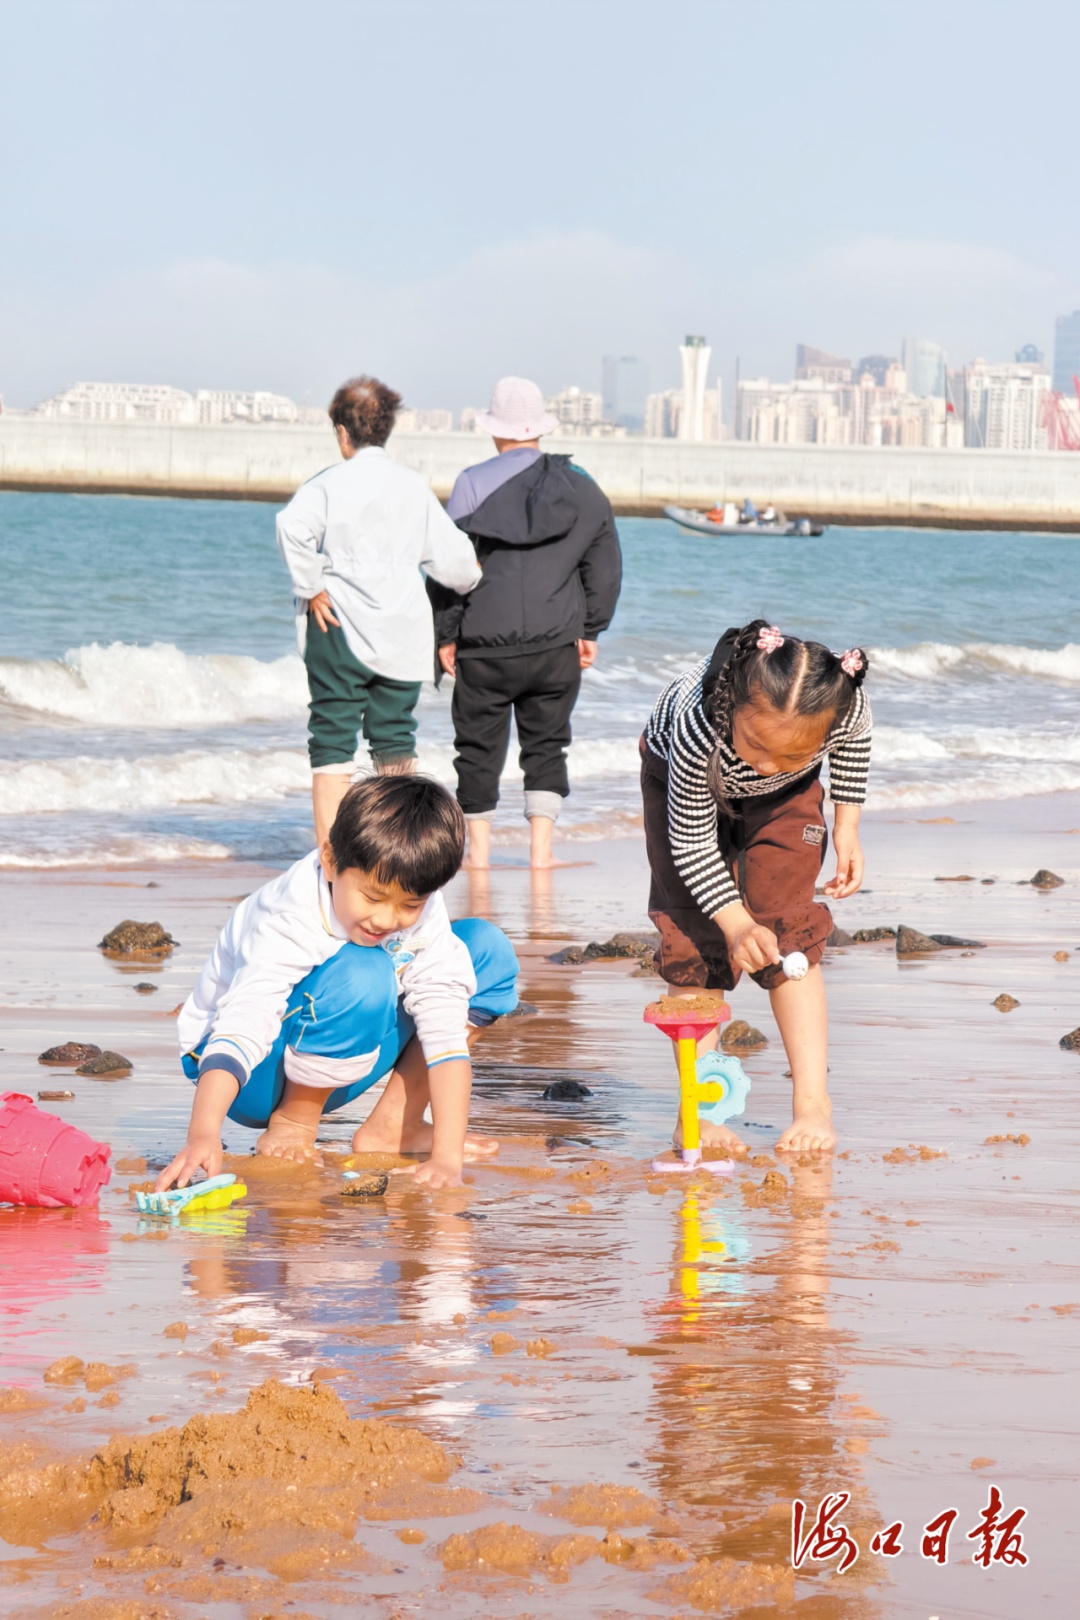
(277, 193)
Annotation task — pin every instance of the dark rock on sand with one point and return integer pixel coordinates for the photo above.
(66, 1056)
(909, 942)
(370, 1184)
(140, 940)
(1070, 1043)
(739, 1036)
(145, 988)
(1005, 1002)
(870, 936)
(1046, 880)
(566, 1091)
(618, 947)
(106, 1066)
(840, 936)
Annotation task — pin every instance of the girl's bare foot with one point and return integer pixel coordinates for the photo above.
(415, 1139)
(284, 1138)
(808, 1133)
(712, 1136)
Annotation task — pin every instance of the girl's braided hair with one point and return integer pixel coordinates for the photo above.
(797, 678)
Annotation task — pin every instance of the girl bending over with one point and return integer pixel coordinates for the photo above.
(730, 775)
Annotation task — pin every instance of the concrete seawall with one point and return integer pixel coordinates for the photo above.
(929, 488)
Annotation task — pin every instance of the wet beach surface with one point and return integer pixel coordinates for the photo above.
(900, 1325)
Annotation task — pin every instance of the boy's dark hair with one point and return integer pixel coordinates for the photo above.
(366, 409)
(404, 829)
(798, 678)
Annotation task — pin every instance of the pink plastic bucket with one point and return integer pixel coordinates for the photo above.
(45, 1162)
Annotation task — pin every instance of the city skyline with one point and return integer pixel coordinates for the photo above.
(206, 236)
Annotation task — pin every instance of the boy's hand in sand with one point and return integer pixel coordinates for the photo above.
(432, 1174)
(751, 946)
(198, 1153)
(849, 855)
(322, 612)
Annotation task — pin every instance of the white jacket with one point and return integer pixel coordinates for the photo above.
(273, 940)
(366, 532)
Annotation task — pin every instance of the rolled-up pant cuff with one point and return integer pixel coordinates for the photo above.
(538, 802)
(479, 815)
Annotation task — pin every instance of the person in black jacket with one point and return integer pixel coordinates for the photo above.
(546, 541)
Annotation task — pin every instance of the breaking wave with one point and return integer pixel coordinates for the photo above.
(930, 660)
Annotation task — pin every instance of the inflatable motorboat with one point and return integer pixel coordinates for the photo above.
(729, 522)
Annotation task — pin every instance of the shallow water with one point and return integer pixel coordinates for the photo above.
(878, 1329)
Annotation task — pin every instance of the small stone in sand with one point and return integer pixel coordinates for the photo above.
(1070, 1042)
(371, 1184)
(55, 1096)
(106, 1066)
(566, 1091)
(1005, 1002)
(144, 941)
(1046, 880)
(870, 936)
(964, 877)
(503, 1343)
(1061, 956)
(739, 1036)
(66, 1056)
(176, 1330)
(145, 988)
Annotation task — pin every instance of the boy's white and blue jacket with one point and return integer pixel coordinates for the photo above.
(275, 938)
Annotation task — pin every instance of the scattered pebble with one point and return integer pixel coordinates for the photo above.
(145, 988)
(840, 936)
(106, 1066)
(566, 1091)
(176, 1330)
(360, 1184)
(1061, 956)
(964, 877)
(618, 947)
(1005, 1002)
(1022, 1139)
(143, 941)
(1046, 880)
(739, 1036)
(66, 1056)
(503, 1343)
(1070, 1042)
(870, 936)
(909, 942)
(55, 1096)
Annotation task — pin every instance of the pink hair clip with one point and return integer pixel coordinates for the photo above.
(852, 661)
(769, 640)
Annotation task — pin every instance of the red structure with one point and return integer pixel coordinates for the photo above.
(1062, 427)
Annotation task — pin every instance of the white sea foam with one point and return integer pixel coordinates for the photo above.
(929, 660)
(146, 850)
(159, 685)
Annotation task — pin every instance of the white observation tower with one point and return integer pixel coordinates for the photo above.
(695, 355)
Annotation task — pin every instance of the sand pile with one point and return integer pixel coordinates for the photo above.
(280, 1484)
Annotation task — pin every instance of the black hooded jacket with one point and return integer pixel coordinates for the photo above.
(552, 566)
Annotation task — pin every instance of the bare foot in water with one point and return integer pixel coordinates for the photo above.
(808, 1133)
(286, 1139)
(712, 1136)
(415, 1139)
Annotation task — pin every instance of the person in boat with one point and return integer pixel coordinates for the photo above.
(749, 512)
(715, 514)
(769, 515)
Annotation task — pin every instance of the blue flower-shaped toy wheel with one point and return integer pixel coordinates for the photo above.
(716, 1068)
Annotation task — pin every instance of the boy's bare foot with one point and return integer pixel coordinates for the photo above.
(415, 1139)
(808, 1133)
(712, 1136)
(286, 1139)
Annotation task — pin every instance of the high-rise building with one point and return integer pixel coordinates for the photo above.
(924, 363)
(626, 384)
(576, 410)
(1066, 352)
(815, 363)
(695, 355)
(1029, 355)
(1004, 406)
(876, 366)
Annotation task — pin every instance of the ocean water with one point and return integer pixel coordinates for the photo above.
(152, 706)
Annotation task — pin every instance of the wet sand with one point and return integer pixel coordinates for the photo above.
(901, 1325)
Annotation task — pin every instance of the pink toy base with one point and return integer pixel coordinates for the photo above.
(45, 1163)
(690, 1161)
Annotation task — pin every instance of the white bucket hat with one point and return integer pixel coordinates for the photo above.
(517, 411)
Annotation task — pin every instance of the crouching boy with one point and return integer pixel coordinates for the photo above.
(340, 972)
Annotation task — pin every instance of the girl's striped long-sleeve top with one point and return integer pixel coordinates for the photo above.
(680, 733)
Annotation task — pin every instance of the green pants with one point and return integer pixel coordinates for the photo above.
(347, 696)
